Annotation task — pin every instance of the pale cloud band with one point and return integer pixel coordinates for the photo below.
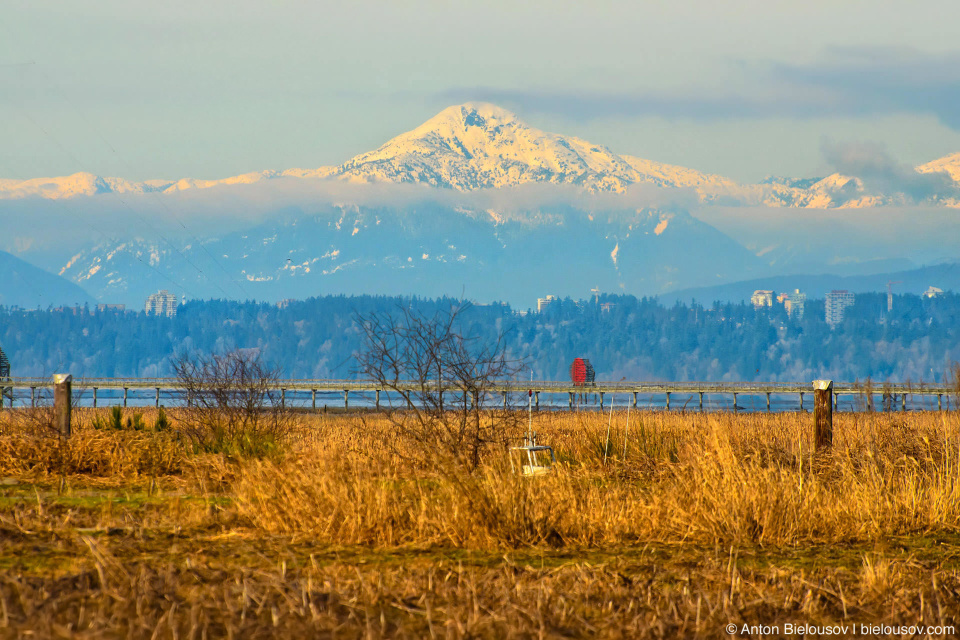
(843, 82)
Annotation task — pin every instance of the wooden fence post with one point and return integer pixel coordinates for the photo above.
(62, 403)
(823, 413)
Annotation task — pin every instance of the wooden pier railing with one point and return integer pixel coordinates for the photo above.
(890, 392)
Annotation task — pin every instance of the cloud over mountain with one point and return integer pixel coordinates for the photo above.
(479, 147)
(880, 174)
(843, 81)
(474, 196)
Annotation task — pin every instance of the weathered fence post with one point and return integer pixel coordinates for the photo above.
(823, 413)
(61, 402)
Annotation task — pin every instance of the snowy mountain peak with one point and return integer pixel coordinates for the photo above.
(479, 145)
(462, 116)
(949, 164)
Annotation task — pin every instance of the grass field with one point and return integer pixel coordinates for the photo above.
(704, 521)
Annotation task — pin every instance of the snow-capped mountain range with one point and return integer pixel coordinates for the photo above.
(443, 237)
(481, 146)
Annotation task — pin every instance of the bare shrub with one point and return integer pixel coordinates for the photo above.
(444, 381)
(233, 405)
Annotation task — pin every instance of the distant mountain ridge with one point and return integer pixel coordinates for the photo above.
(27, 286)
(482, 146)
(943, 276)
(424, 249)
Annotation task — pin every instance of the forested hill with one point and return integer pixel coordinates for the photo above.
(621, 335)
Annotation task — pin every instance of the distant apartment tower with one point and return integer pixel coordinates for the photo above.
(794, 304)
(762, 298)
(837, 301)
(162, 303)
(543, 303)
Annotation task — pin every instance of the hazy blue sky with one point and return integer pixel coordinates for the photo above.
(209, 89)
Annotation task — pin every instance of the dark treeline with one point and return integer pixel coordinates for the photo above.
(636, 338)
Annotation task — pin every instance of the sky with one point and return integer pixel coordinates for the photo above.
(744, 88)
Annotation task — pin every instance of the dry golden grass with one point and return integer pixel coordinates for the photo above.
(705, 520)
(708, 479)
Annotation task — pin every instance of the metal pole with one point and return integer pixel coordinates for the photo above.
(94, 397)
(768, 401)
(668, 401)
(537, 399)
(346, 398)
(378, 399)
(313, 398)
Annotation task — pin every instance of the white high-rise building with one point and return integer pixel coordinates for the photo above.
(762, 298)
(162, 303)
(543, 303)
(794, 304)
(837, 301)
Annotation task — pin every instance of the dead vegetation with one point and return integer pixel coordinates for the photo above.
(705, 520)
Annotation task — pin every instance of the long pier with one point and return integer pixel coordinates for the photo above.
(632, 390)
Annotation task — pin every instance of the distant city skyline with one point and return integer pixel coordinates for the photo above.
(217, 89)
